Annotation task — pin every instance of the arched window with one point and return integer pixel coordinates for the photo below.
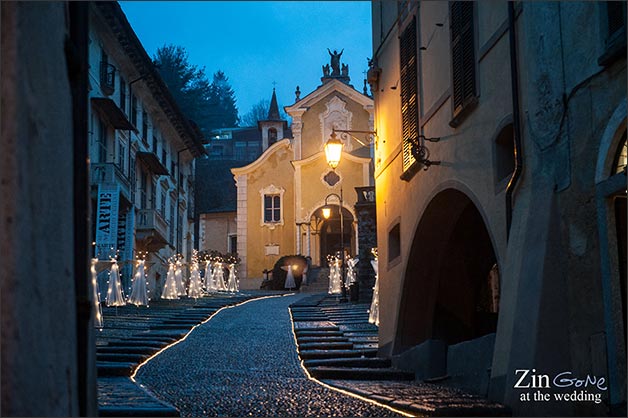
(272, 136)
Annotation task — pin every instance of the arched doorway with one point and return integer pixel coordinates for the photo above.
(330, 239)
(451, 285)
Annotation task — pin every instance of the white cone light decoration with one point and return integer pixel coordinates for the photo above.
(374, 310)
(178, 276)
(114, 291)
(139, 292)
(210, 283)
(219, 277)
(195, 290)
(170, 288)
(98, 321)
(232, 282)
(335, 279)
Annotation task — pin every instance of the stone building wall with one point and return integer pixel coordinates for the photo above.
(37, 274)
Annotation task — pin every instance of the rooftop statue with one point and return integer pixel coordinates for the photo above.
(335, 62)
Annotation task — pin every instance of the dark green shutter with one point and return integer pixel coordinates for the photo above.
(409, 91)
(462, 53)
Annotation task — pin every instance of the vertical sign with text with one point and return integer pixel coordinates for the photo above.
(107, 220)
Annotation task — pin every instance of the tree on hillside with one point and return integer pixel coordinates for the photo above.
(188, 84)
(209, 105)
(224, 113)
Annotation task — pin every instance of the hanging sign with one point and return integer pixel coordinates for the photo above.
(107, 220)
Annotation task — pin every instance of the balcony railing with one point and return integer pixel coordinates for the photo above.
(151, 224)
(110, 173)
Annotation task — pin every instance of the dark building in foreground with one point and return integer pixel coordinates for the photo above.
(502, 246)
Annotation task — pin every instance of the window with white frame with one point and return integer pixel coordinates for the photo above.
(272, 205)
(272, 208)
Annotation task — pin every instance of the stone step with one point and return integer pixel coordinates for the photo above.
(170, 326)
(124, 358)
(115, 368)
(352, 373)
(373, 362)
(314, 333)
(345, 345)
(127, 350)
(185, 323)
(328, 354)
(134, 343)
(422, 399)
(154, 338)
(309, 318)
(323, 339)
(299, 331)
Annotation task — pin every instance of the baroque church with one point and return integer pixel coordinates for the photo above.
(281, 194)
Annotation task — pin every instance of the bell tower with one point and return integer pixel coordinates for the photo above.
(273, 127)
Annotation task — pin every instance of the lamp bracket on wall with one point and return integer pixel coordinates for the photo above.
(421, 153)
(351, 132)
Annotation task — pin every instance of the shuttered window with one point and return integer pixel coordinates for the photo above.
(462, 56)
(409, 92)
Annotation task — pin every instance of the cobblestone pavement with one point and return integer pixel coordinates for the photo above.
(244, 363)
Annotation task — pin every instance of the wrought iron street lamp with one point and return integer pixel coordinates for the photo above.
(333, 153)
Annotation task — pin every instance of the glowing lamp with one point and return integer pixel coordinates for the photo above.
(326, 213)
(333, 150)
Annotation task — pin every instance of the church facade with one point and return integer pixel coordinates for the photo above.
(280, 195)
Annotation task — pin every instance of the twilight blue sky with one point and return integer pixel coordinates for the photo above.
(256, 43)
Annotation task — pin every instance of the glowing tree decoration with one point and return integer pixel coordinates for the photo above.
(210, 284)
(232, 281)
(139, 293)
(219, 276)
(114, 291)
(289, 283)
(351, 276)
(98, 322)
(170, 288)
(195, 290)
(374, 311)
(178, 276)
(335, 279)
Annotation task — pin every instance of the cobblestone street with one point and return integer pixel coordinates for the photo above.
(243, 362)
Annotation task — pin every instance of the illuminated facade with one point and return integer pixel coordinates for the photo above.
(280, 195)
(501, 198)
(142, 151)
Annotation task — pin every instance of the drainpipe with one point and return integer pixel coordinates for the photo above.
(76, 58)
(516, 112)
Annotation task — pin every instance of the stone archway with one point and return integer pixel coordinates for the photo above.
(330, 241)
(451, 285)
